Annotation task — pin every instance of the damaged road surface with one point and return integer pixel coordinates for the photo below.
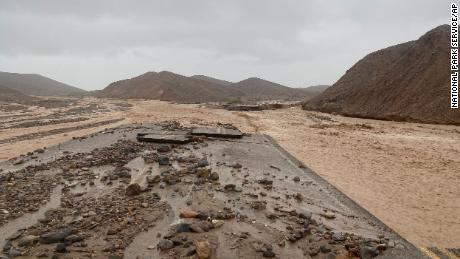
(130, 193)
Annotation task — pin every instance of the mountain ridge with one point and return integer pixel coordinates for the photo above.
(168, 86)
(405, 82)
(35, 84)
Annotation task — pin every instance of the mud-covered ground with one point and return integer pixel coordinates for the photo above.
(406, 174)
(210, 198)
(53, 121)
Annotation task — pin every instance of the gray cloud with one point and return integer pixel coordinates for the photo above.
(294, 42)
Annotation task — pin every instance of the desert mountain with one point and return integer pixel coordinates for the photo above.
(406, 82)
(10, 95)
(260, 89)
(212, 79)
(168, 86)
(32, 84)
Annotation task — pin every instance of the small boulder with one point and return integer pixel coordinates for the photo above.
(73, 239)
(203, 172)
(13, 252)
(56, 236)
(165, 244)
(61, 247)
(163, 160)
(214, 176)
(328, 215)
(299, 197)
(202, 162)
(265, 181)
(188, 214)
(164, 148)
(152, 179)
(258, 205)
(201, 226)
(133, 189)
(268, 254)
(338, 236)
(236, 165)
(182, 227)
(40, 151)
(29, 240)
(325, 249)
(203, 249)
(368, 252)
(229, 187)
(217, 223)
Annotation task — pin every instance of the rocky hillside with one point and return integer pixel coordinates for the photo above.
(168, 86)
(316, 89)
(32, 84)
(10, 95)
(405, 82)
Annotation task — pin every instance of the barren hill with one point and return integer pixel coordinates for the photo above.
(32, 84)
(212, 79)
(168, 86)
(406, 82)
(260, 89)
(316, 89)
(11, 95)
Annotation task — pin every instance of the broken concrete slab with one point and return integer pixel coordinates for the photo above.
(163, 138)
(241, 107)
(258, 107)
(217, 132)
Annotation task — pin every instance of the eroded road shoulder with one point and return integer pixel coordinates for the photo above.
(209, 198)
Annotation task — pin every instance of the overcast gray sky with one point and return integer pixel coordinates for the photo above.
(293, 42)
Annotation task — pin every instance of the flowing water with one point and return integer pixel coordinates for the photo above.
(30, 219)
